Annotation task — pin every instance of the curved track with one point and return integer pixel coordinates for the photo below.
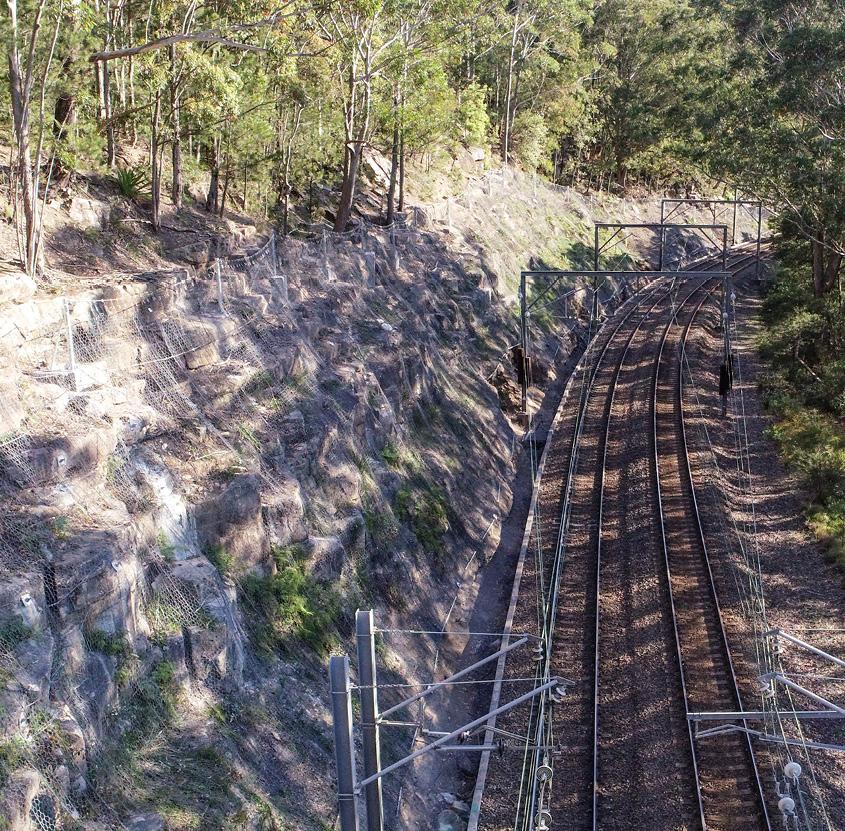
(622, 588)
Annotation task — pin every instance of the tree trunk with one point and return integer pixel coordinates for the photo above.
(211, 199)
(401, 205)
(817, 246)
(394, 159)
(64, 110)
(347, 193)
(176, 141)
(20, 119)
(227, 175)
(104, 91)
(155, 165)
(506, 129)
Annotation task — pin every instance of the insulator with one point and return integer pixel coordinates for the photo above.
(557, 695)
(786, 805)
(500, 747)
(544, 773)
(792, 770)
(543, 821)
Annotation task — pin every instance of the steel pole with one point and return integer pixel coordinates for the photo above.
(523, 335)
(343, 747)
(759, 230)
(71, 347)
(662, 244)
(366, 648)
(596, 249)
(733, 226)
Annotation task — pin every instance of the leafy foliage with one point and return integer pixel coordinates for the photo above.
(130, 182)
(805, 389)
(291, 603)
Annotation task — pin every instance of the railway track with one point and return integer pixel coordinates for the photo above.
(623, 583)
(729, 787)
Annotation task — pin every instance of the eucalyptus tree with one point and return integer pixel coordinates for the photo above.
(30, 35)
(774, 122)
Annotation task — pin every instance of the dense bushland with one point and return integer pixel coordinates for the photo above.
(805, 387)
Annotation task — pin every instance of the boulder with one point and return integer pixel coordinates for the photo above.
(145, 822)
(89, 213)
(205, 355)
(233, 520)
(286, 512)
(18, 796)
(15, 286)
(376, 167)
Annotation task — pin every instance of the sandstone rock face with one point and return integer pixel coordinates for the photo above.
(198, 448)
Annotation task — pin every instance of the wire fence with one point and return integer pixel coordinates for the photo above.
(148, 355)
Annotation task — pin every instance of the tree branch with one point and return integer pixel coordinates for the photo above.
(209, 36)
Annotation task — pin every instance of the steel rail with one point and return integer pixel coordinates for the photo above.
(567, 501)
(606, 441)
(588, 357)
(581, 414)
(549, 622)
(567, 504)
(735, 267)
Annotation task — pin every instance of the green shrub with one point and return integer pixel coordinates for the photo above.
(291, 604)
(130, 181)
(804, 389)
(165, 547)
(391, 454)
(427, 513)
(258, 382)
(381, 525)
(472, 117)
(249, 436)
(14, 632)
(221, 559)
(12, 757)
(60, 528)
(114, 644)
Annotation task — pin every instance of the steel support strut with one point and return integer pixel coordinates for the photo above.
(342, 726)
(366, 648)
(434, 686)
(554, 682)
